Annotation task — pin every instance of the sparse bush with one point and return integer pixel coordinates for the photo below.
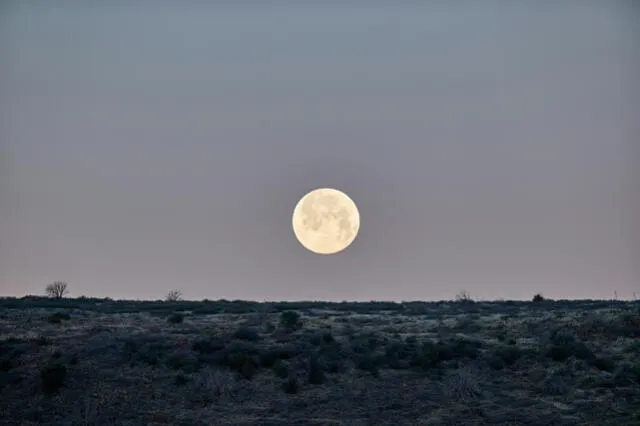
(290, 320)
(57, 290)
(175, 318)
(538, 298)
(52, 377)
(211, 386)
(462, 384)
(464, 297)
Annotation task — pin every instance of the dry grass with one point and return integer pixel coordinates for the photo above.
(563, 365)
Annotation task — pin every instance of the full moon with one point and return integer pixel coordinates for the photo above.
(326, 221)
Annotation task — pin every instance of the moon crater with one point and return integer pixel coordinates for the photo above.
(326, 221)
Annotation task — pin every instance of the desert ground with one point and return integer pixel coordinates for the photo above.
(102, 362)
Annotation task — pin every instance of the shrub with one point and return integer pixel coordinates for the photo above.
(537, 298)
(53, 320)
(58, 317)
(369, 364)
(150, 352)
(269, 357)
(246, 333)
(560, 352)
(464, 297)
(459, 348)
(175, 318)
(236, 354)
(291, 385)
(281, 369)
(248, 369)
(427, 356)
(462, 385)
(52, 377)
(212, 385)
(315, 373)
(290, 320)
(207, 346)
(627, 374)
(508, 354)
(603, 364)
(182, 360)
(363, 343)
(180, 380)
(563, 344)
(322, 338)
(556, 385)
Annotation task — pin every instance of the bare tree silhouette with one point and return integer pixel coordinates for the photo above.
(57, 290)
(173, 296)
(464, 297)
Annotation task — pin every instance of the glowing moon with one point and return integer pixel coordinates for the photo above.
(326, 221)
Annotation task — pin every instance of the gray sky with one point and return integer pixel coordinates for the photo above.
(489, 147)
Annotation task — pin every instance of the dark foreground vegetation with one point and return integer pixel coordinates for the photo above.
(103, 362)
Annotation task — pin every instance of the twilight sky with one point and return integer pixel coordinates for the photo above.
(489, 147)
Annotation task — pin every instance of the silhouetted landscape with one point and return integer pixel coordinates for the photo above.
(89, 361)
(319, 152)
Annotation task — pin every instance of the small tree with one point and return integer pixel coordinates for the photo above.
(57, 290)
(174, 296)
(538, 298)
(290, 320)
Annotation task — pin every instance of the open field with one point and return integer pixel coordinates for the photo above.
(103, 362)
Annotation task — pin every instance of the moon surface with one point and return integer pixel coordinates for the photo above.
(326, 221)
